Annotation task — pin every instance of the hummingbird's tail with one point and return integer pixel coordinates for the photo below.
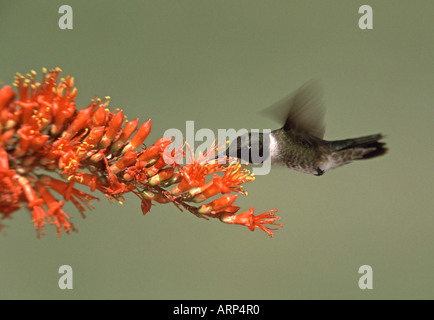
(345, 151)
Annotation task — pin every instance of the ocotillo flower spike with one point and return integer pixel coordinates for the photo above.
(41, 129)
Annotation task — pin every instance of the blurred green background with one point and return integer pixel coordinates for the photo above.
(219, 63)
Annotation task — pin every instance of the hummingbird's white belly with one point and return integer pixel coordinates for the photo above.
(275, 152)
(327, 163)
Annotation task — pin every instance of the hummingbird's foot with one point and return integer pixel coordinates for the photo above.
(319, 172)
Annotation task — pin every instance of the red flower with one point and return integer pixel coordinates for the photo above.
(10, 191)
(162, 176)
(6, 96)
(113, 128)
(221, 205)
(42, 131)
(234, 176)
(251, 221)
(128, 130)
(57, 216)
(194, 175)
(140, 136)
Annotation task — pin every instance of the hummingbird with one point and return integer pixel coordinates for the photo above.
(299, 143)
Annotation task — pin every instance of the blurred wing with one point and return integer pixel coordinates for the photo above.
(302, 111)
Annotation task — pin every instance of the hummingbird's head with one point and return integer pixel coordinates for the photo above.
(250, 147)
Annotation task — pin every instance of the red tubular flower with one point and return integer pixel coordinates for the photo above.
(4, 163)
(61, 113)
(128, 159)
(161, 176)
(69, 192)
(251, 221)
(220, 205)
(153, 156)
(235, 175)
(128, 130)
(38, 142)
(69, 162)
(88, 180)
(87, 148)
(10, 194)
(30, 194)
(30, 140)
(136, 172)
(8, 119)
(157, 197)
(6, 137)
(163, 143)
(94, 136)
(176, 178)
(10, 190)
(78, 124)
(35, 204)
(156, 167)
(39, 216)
(27, 109)
(100, 117)
(139, 137)
(6, 96)
(114, 126)
(215, 187)
(55, 212)
(151, 153)
(194, 175)
(42, 130)
(141, 134)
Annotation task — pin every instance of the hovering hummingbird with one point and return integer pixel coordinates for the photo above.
(299, 144)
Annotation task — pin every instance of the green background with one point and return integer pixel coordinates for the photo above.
(219, 63)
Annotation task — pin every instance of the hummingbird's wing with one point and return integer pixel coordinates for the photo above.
(302, 111)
